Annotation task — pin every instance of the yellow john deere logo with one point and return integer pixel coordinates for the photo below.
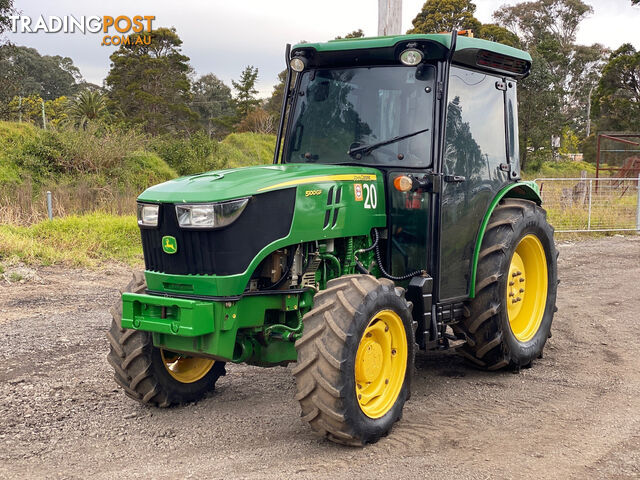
(169, 245)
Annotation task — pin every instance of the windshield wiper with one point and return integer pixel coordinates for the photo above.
(368, 148)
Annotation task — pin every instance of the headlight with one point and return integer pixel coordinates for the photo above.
(411, 56)
(297, 64)
(210, 215)
(148, 215)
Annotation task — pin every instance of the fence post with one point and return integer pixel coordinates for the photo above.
(638, 206)
(44, 117)
(590, 192)
(49, 206)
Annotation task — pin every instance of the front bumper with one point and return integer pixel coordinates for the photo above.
(224, 329)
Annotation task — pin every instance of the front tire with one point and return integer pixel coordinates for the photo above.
(355, 359)
(509, 320)
(152, 375)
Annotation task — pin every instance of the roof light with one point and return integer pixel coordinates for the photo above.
(411, 56)
(297, 64)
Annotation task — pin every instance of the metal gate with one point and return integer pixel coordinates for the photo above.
(591, 204)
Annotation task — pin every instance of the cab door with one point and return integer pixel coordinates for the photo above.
(475, 168)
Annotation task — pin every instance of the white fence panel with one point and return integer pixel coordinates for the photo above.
(591, 204)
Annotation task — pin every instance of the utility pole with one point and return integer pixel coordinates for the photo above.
(44, 117)
(389, 17)
(589, 112)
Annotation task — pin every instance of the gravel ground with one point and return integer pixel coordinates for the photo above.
(575, 414)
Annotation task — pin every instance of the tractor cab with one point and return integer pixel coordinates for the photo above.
(439, 110)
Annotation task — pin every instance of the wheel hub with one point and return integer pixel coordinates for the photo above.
(381, 363)
(527, 286)
(185, 368)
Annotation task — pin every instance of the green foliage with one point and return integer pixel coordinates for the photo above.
(570, 142)
(139, 170)
(616, 101)
(87, 241)
(193, 154)
(541, 166)
(556, 93)
(355, 34)
(445, 16)
(212, 100)
(88, 106)
(246, 91)
(149, 83)
(6, 9)
(245, 149)
(24, 72)
(29, 109)
(496, 33)
(535, 20)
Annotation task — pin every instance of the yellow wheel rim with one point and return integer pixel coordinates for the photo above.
(527, 288)
(184, 368)
(381, 364)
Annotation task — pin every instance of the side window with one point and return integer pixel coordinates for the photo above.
(475, 140)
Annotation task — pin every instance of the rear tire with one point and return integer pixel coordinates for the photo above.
(356, 356)
(142, 369)
(497, 334)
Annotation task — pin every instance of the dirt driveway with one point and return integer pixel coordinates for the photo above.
(576, 414)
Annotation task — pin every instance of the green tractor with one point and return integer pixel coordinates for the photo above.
(392, 219)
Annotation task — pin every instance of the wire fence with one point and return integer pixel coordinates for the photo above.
(591, 204)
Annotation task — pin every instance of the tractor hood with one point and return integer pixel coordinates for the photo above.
(227, 184)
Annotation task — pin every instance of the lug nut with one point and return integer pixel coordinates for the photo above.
(512, 283)
(386, 382)
(522, 290)
(393, 351)
(511, 294)
(522, 279)
(359, 396)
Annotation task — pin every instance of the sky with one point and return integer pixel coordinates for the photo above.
(222, 36)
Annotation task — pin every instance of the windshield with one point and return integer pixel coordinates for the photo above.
(339, 110)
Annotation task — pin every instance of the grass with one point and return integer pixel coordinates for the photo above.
(104, 168)
(77, 241)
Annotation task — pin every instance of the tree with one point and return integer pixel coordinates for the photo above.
(257, 121)
(149, 82)
(555, 95)
(355, 34)
(533, 20)
(616, 101)
(87, 107)
(212, 100)
(29, 109)
(48, 76)
(6, 9)
(246, 91)
(496, 33)
(445, 16)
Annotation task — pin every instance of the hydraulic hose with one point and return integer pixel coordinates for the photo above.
(381, 267)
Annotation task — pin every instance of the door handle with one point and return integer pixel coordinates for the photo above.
(454, 178)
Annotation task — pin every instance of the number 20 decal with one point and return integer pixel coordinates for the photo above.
(370, 196)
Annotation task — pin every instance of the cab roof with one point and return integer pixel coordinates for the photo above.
(473, 52)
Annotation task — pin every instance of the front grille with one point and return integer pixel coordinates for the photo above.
(226, 251)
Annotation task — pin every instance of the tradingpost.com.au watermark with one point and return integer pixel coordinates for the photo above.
(116, 29)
